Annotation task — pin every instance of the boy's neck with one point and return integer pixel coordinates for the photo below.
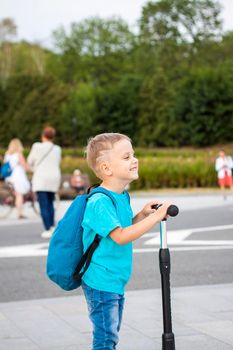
(114, 187)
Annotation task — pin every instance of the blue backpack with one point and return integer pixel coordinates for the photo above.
(65, 259)
(6, 170)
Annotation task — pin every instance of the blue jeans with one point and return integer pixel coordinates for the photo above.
(45, 200)
(105, 312)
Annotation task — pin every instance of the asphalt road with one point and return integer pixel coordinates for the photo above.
(201, 247)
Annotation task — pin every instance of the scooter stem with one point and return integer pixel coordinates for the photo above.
(168, 339)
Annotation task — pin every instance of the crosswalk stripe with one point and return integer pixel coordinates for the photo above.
(176, 242)
(182, 249)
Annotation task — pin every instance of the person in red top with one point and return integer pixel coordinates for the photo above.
(223, 166)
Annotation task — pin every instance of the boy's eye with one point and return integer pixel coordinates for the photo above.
(127, 157)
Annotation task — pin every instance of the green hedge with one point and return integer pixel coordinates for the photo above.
(158, 168)
(167, 172)
(174, 173)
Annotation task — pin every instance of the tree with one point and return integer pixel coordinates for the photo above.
(156, 124)
(95, 50)
(30, 103)
(78, 118)
(172, 32)
(204, 110)
(8, 31)
(2, 100)
(118, 107)
(187, 21)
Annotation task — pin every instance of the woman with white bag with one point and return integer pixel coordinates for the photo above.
(44, 159)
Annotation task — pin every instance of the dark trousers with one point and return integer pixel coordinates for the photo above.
(45, 200)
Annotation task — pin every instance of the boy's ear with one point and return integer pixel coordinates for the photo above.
(105, 169)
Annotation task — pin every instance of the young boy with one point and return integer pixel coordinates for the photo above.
(111, 157)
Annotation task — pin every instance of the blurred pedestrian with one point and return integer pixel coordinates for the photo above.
(77, 182)
(223, 166)
(45, 158)
(18, 178)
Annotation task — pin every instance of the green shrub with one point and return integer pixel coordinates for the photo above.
(158, 168)
(175, 173)
(158, 172)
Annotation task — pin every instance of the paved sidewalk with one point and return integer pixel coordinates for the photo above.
(202, 320)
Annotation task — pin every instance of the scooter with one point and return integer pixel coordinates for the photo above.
(168, 339)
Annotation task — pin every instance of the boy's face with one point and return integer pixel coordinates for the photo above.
(122, 164)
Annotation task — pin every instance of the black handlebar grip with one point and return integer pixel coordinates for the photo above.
(172, 210)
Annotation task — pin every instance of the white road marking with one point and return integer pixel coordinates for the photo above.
(176, 237)
(194, 230)
(183, 249)
(37, 250)
(20, 251)
(15, 221)
(173, 237)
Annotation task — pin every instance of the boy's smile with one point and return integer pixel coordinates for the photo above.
(134, 168)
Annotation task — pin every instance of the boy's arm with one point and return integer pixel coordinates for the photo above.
(140, 216)
(135, 231)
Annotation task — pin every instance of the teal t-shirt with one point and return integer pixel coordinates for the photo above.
(111, 264)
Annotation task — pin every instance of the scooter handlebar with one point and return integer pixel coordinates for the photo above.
(172, 210)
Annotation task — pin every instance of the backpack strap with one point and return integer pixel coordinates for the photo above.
(98, 189)
(104, 191)
(87, 256)
(86, 259)
(45, 156)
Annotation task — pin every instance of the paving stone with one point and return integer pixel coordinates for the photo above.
(200, 342)
(71, 347)
(8, 330)
(43, 327)
(221, 330)
(17, 344)
(131, 339)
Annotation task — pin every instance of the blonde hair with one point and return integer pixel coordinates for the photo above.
(15, 146)
(98, 145)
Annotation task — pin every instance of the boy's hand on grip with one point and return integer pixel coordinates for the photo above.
(150, 208)
(161, 209)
